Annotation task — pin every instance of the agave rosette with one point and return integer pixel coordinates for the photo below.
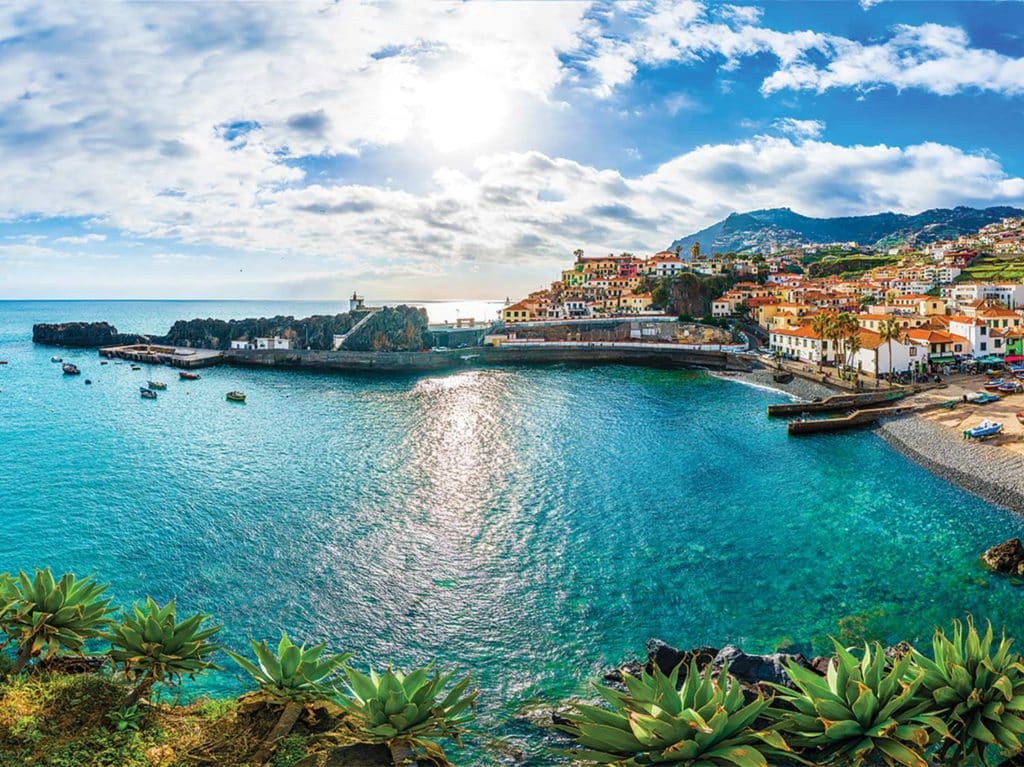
(978, 692)
(295, 673)
(862, 710)
(704, 722)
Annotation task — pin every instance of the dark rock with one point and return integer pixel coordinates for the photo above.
(664, 656)
(258, 713)
(83, 334)
(63, 664)
(755, 669)
(349, 756)
(819, 664)
(1006, 557)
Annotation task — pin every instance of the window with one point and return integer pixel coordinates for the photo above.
(984, 346)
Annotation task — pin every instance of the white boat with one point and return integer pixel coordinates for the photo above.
(56, 359)
(983, 430)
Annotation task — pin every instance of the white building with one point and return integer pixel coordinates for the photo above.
(975, 331)
(873, 356)
(1010, 294)
(273, 343)
(801, 343)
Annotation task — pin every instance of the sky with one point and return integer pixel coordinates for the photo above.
(303, 150)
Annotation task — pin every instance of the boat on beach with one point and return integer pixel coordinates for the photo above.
(236, 396)
(1011, 387)
(983, 430)
(184, 375)
(983, 398)
(146, 393)
(70, 369)
(157, 385)
(783, 377)
(994, 384)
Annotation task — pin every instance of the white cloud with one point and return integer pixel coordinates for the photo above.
(80, 239)
(930, 57)
(799, 128)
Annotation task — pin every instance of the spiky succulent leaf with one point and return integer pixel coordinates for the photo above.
(294, 673)
(42, 615)
(863, 710)
(150, 641)
(977, 688)
(413, 709)
(704, 722)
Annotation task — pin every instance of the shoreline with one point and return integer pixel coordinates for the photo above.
(799, 388)
(986, 471)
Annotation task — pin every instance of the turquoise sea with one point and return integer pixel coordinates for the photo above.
(533, 526)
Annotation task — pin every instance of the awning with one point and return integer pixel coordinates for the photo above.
(1014, 358)
(946, 359)
(991, 359)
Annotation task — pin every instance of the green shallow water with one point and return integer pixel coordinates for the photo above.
(534, 525)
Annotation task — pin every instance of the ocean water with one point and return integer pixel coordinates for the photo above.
(533, 526)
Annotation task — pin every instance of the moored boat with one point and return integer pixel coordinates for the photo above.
(147, 393)
(1011, 387)
(70, 369)
(184, 375)
(236, 396)
(983, 398)
(56, 359)
(157, 385)
(993, 385)
(136, 367)
(983, 430)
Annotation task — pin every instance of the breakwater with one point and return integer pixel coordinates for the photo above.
(412, 362)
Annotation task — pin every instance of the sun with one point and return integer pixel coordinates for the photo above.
(462, 110)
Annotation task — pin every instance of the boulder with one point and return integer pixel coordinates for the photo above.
(349, 756)
(1006, 557)
(757, 669)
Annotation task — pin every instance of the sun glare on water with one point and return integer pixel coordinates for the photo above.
(462, 110)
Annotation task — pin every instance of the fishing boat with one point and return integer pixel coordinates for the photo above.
(983, 430)
(1011, 387)
(157, 385)
(236, 396)
(3, 362)
(136, 367)
(70, 370)
(184, 375)
(56, 359)
(147, 393)
(993, 385)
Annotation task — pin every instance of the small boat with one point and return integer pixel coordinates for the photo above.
(56, 359)
(70, 370)
(3, 362)
(783, 377)
(993, 385)
(236, 396)
(186, 376)
(1011, 387)
(983, 430)
(147, 393)
(88, 381)
(983, 398)
(136, 367)
(104, 362)
(157, 385)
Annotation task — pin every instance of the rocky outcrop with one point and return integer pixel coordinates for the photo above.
(82, 334)
(1006, 557)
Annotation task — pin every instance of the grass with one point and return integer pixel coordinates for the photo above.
(996, 266)
(52, 720)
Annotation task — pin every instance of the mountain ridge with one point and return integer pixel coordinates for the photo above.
(756, 230)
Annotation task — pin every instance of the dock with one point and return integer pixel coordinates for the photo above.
(852, 421)
(837, 403)
(175, 356)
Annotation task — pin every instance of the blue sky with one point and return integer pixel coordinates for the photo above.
(432, 150)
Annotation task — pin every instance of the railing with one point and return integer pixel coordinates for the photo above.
(646, 346)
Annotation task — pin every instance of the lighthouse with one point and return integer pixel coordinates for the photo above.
(355, 304)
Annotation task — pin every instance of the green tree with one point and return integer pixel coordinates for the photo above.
(821, 324)
(889, 330)
(695, 250)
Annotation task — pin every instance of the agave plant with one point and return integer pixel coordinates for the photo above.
(153, 646)
(292, 678)
(979, 694)
(408, 712)
(704, 722)
(43, 615)
(861, 711)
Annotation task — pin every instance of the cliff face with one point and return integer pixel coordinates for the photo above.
(84, 334)
(397, 328)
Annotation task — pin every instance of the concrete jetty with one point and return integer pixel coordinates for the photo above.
(179, 357)
(837, 403)
(852, 421)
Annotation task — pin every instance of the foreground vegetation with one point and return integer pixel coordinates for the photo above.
(959, 704)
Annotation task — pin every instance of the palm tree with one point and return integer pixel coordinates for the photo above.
(821, 325)
(695, 250)
(888, 331)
